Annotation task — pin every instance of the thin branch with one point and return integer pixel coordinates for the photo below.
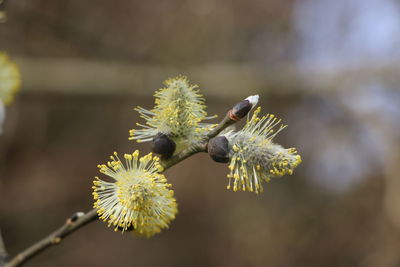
(3, 251)
(227, 121)
(79, 220)
(202, 146)
(183, 155)
(72, 224)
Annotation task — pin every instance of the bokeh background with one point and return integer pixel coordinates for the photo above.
(330, 69)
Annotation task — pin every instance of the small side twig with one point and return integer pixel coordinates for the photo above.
(227, 121)
(235, 114)
(72, 224)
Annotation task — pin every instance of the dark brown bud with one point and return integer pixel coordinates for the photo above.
(218, 149)
(243, 107)
(163, 145)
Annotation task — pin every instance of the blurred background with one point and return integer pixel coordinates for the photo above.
(329, 69)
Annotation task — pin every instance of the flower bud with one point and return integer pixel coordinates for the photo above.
(243, 107)
(218, 149)
(163, 145)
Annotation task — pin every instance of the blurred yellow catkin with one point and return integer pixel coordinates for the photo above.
(10, 79)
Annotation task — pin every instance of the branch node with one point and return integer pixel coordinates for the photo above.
(56, 240)
(75, 217)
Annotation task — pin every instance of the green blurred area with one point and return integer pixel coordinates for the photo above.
(85, 65)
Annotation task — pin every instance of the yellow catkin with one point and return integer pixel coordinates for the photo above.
(255, 158)
(137, 196)
(10, 79)
(179, 113)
